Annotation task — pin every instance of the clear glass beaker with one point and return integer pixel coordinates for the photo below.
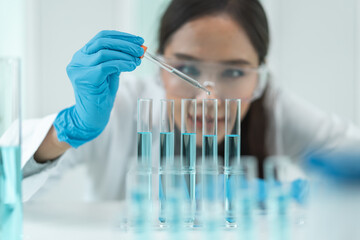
(10, 143)
(188, 154)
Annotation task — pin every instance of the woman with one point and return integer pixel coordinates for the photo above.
(224, 42)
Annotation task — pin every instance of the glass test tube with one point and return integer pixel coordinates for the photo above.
(232, 150)
(276, 172)
(188, 154)
(144, 128)
(144, 135)
(166, 132)
(166, 149)
(10, 169)
(175, 197)
(211, 193)
(209, 127)
(245, 196)
(232, 131)
(139, 205)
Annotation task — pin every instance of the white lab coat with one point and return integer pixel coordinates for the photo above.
(296, 127)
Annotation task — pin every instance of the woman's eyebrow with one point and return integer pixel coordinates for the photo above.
(236, 62)
(183, 56)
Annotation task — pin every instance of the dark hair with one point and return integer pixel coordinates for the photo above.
(251, 16)
(247, 13)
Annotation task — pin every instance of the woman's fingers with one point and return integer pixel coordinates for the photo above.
(117, 35)
(120, 45)
(103, 55)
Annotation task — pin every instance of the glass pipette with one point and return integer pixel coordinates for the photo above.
(173, 70)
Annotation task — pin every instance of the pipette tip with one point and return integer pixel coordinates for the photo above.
(205, 89)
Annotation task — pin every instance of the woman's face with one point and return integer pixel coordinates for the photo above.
(211, 39)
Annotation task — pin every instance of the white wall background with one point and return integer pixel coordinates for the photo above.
(314, 47)
(315, 50)
(57, 29)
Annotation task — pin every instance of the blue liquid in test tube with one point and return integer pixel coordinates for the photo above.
(144, 135)
(11, 214)
(209, 131)
(166, 148)
(210, 146)
(232, 148)
(188, 155)
(144, 148)
(166, 154)
(188, 149)
(232, 153)
(276, 169)
(10, 193)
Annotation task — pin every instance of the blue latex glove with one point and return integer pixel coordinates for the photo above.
(94, 74)
(342, 165)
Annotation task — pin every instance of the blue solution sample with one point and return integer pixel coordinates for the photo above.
(210, 148)
(188, 158)
(232, 149)
(279, 219)
(166, 157)
(144, 157)
(144, 148)
(166, 148)
(140, 213)
(10, 194)
(232, 153)
(188, 150)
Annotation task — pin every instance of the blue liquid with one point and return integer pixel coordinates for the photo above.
(166, 157)
(144, 148)
(166, 149)
(188, 150)
(10, 194)
(246, 221)
(280, 220)
(188, 159)
(232, 150)
(141, 206)
(144, 158)
(232, 154)
(210, 147)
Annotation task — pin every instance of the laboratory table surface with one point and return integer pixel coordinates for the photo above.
(104, 220)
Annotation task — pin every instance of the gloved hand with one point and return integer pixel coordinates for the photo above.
(94, 74)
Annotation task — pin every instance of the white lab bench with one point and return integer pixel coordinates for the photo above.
(88, 221)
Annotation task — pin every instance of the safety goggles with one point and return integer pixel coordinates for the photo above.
(223, 80)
